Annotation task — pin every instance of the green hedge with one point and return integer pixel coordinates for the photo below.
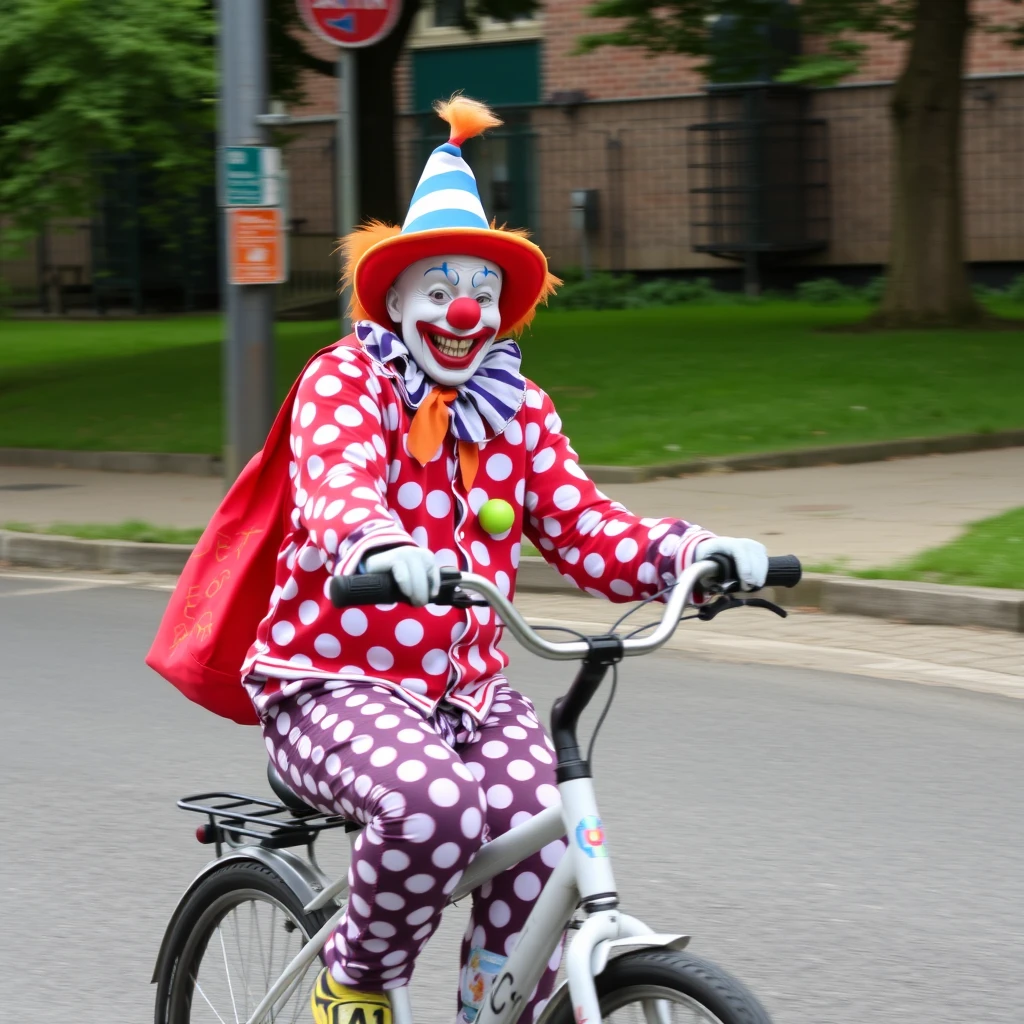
(622, 291)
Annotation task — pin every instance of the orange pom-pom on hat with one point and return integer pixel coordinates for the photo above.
(446, 217)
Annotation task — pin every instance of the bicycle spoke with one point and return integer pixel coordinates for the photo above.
(233, 998)
(657, 1011)
(227, 974)
(259, 935)
(273, 915)
(244, 961)
(655, 1005)
(199, 989)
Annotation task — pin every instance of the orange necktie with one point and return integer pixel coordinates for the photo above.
(428, 429)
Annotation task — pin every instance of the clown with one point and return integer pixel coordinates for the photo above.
(419, 444)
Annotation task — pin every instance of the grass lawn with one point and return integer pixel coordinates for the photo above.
(636, 386)
(989, 554)
(135, 529)
(130, 529)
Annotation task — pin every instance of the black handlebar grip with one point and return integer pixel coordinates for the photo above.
(783, 571)
(370, 588)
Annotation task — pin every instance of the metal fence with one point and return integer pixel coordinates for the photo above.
(639, 157)
(313, 266)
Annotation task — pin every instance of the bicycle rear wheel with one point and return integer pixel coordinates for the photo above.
(238, 931)
(660, 986)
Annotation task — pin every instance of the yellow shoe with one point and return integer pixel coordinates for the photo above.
(334, 1003)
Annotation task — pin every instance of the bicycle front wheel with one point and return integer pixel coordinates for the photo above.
(239, 930)
(662, 986)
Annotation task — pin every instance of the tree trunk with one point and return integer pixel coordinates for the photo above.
(376, 135)
(927, 282)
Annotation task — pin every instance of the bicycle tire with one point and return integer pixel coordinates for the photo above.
(221, 891)
(626, 978)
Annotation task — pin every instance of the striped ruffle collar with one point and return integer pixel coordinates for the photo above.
(487, 402)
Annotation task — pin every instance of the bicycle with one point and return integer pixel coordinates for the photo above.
(613, 960)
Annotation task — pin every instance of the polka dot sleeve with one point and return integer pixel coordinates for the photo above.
(594, 541)
(340, 457)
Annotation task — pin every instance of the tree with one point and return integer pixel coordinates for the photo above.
(927, 282)
(81, 80)
(378, 175)
(84, 79)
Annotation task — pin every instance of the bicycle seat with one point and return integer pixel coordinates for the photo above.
(284, 792)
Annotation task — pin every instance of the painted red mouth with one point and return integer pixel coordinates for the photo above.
(453, 351)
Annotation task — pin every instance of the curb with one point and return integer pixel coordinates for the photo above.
(920, 604)
(801, 458)
(182, 463)
(188, 464)
(46, 551)
(929, 604)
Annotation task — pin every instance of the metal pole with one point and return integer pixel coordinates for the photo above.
(347, 168)
(248, 355)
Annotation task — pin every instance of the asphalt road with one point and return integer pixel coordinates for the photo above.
(852, 849)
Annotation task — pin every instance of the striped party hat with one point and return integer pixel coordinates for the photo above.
(446, 196)
(446, 218)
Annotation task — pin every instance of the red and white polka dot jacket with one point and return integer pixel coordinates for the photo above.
(356, 488)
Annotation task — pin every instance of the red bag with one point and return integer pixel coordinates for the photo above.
(224, 590)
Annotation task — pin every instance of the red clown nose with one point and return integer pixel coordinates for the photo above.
(464, 313)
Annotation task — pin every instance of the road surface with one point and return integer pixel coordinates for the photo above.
(851, 848)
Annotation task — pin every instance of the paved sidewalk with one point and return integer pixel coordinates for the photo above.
(868, 514)
(986, 661)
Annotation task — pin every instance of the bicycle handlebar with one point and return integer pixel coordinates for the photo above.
(380, 588)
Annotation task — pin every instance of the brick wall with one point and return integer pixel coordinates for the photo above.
(637, 153)
(609, 73)
(321, 91)
(619, 74)
(615, 74)
(644, 186)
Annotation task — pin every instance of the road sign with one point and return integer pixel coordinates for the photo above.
(251, 176)
(256, 246)
(350, 23)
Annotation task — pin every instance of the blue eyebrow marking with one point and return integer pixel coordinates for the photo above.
(487, 272)
(449, 272)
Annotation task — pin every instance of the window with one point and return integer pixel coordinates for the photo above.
(449, 13)
(439, 23)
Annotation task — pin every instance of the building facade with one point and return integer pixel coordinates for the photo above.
(621, 124)
(624, 126)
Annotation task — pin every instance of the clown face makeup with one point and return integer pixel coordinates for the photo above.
(448, 310)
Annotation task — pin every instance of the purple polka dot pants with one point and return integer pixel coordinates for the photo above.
(429, 793)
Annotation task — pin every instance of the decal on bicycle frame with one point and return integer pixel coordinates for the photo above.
(481, 971)
(590, 837)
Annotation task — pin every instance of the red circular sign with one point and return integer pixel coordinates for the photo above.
(350, 22)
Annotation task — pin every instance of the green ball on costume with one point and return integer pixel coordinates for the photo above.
(496, 516)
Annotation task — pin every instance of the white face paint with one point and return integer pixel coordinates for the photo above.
(447, 307)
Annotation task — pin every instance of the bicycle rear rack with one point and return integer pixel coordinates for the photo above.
(230, 816)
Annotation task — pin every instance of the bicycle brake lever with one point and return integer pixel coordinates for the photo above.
(449, 595)
(724, 604)
(763, 602)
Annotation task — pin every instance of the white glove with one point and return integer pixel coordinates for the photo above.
(413, 569)
(751, 558)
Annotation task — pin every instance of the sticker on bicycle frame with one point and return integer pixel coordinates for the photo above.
(482, 969)
(590, 837)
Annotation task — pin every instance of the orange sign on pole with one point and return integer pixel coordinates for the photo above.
(256, 248)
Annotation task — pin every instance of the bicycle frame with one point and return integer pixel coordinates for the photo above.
(583, 878)
(605, 931)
